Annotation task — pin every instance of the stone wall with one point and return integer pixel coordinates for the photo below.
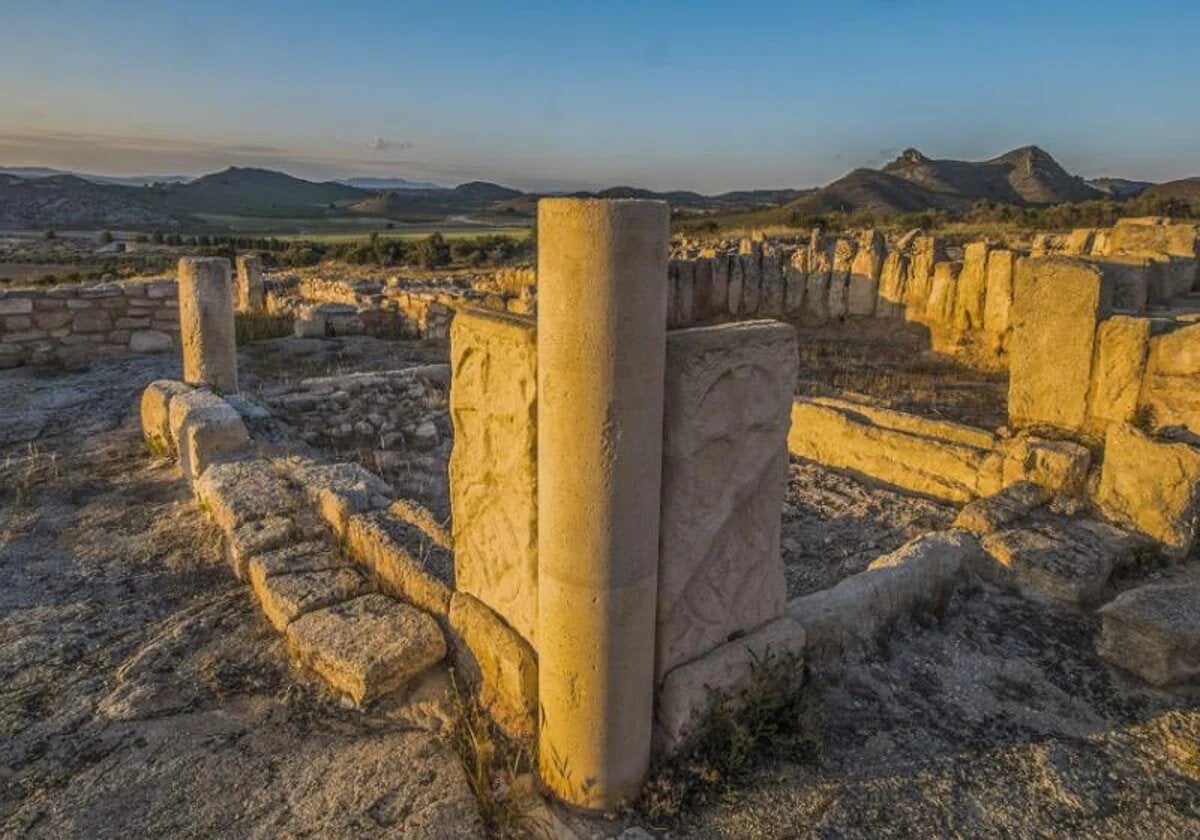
(76, 324)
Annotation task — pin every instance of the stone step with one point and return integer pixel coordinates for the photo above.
(404, 561)
(1154, 631)
(285, 598)
(1059, 559)
(367, 647)
(991, 513)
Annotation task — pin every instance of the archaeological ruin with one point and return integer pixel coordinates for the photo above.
(582, 505)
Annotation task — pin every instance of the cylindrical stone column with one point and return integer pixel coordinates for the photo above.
(250, 294)
(206, 323)
(602, 302)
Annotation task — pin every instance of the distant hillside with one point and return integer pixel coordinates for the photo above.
(65, 201)
(473, 197)
(915, 183)
(122, 180)
(1119, 188)
(389, 184)
(257, 192)
(1185, 189)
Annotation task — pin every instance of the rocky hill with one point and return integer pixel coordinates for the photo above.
(1185, 189)
(256, 192)
(65, 201)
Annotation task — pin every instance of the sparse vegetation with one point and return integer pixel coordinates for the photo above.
(259, 326)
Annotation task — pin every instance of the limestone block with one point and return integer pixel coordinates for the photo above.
(238, 492)
(970, 298)
(1170, 392)
(1122, 345)
(796, 282)
(862, 292)
(719, 291)
(284, 598)
(685, 293)
(155, 410)
(493, 465)
(256, 537)
(997, 305)
(1059, 559)
(943, 288)
(206, 323)
(316, 555)
(339, 490)
(367, 647)
(737, 282)
(816, 289)
(149, 341)
(1153, 234)
(206, 429)
(893, 283)
(1057, 304)
(926, 252)
(725, 464)
(494, 656)
(422, 518)
(771, 295)
(250, 292)
(1132, 278)
(702, 294)
(1080, 241)
(844, 251)
(689, 690)
(991, 513)
(751, 282)
(915, 424)
(1154, 631)
(845, 439)
(1151, 486)
(1060, 467)
(922, 574)
(404, 561)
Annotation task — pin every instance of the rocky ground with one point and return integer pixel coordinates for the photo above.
(142, 694)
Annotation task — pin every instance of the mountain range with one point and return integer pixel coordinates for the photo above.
(34, 197)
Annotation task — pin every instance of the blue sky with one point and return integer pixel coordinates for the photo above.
(708, 96)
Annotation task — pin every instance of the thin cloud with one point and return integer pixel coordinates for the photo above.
(380, 144)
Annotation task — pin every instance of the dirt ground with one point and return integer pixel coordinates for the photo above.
(141, 693)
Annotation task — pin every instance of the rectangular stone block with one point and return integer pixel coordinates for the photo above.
(865, 270)
(702, 290)
(751, 281)
(499, 661)
(771, 297)
(1131, 279)
(795, 283)
(997, 305)
(1057, 304)
(943, 289)
(1151, 486)
(1170, 389)
(1122, 344)
(493, 465)
(737, 282)
(155, 411)
(926, 252)
(206, 429)
(971, 297)
(685, 291)
(893, 283)
(719, 292)
(727, 403)
(844, 251)
(816, 290)
(405, 562)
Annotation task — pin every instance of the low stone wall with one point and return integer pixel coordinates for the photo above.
(75, 324)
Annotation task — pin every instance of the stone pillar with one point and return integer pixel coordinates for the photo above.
(206, 323)
(250, 294)
(602, 268)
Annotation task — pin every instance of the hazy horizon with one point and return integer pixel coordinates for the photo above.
(664, 96)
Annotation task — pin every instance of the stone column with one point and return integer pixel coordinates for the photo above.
(602, 269)
(250, 294)
(206, 323)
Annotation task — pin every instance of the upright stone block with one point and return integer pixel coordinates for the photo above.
(1170, 392)
(1057, 304)
(926, 252)
(771, 295)
(251, 296)
(725, 464)
(702, 295)
(737, 282)
(939, 308)
(795, 282)
(719, 292)
(601, 353)
(893, 283)
(685, 301)
(493, 465)
(997, 306)
(971, 299)
(1122, 344)
(839, 279)
(865, 271)
(816, 290)
(206, 323)
(751, 281)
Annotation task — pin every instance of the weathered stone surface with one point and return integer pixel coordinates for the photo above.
(1154, 631)
(970, 299)
(493, 466)
(929, 464)
(1058, 466)
(863, 286)
(367, 647)
(404, 561)
(1151, 486)
(495, 657)
(997, 306)
(1067, 560)
(719, 291)
(155, 410)
(339, 490)
(1080, 241)
(926, 252)
(1122, 345)
(1132, 278)
(939, 308)
(317, 555)
(702, 293)
(1057, 304)
(1170, 392)
(725, 462)
(751, 282)
(250, 293)
(284, 598)
(816, 289)
(149, 341)
(1153, 234)
(770, 303)
(205, 429)
(685, 292)
(922, 574)
(243, 491)
(844, 251)
(256, 537)
(689, 690)
(990, 513)
(206, 323)
(795, 281)
(893, 285)
(737, 282)
(422, 518)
